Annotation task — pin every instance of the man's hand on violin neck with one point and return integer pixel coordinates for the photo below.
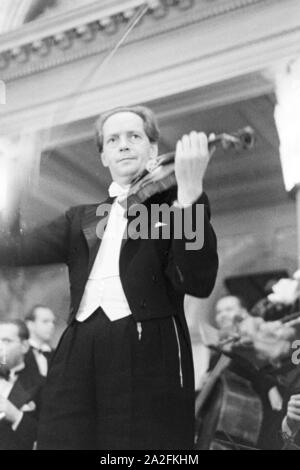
(191, 160)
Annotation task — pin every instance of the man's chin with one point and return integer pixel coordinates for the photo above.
(129, 172)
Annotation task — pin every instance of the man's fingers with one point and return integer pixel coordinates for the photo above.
(293, 416)
(296, 396)
(179, 149)
(194, 144)
(199, 144)
(203, 142)
(185, 144)
(294, 409)
(294, 403)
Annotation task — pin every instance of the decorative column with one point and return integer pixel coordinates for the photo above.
(19, 173)
(287, 117)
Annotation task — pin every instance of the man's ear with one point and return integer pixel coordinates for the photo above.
(154, 150)
(103, 159)
(29, 324)
(25, 347)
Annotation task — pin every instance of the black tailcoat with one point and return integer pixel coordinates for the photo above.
(155, 275)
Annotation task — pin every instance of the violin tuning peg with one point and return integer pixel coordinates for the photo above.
(247, 138)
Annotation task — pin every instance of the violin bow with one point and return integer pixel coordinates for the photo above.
(31, 164)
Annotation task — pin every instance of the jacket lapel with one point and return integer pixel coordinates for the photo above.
(133, 230)
(18, 395)
(130, 231)
(93, 226)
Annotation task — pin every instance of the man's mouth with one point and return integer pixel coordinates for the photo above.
(125, 159)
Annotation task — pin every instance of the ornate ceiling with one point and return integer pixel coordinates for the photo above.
(67, 30)
(191, 61)
(13, 13)
(46, 8)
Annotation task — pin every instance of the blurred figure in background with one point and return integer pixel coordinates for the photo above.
(291, 422)
(40, 321)
(251, 402)
(230, 312)
(286, 295)
(19, 389)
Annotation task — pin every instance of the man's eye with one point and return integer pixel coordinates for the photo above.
(135, 136)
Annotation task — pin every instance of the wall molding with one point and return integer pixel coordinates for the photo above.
(86, 31)
(220, 50)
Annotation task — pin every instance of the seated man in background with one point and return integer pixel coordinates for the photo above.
(19, 389)
(230, 312)
(269, 341)
(250, 342)
(273, 342)
(230, 309)
(291, 423)
(286, 293)
(40, 321)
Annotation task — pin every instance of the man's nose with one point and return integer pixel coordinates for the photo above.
(123, 143)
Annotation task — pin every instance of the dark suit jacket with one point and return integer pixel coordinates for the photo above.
(26, 389)
(31, 363)
(155, 273)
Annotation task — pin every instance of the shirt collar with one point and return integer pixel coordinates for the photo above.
(116, 190)
(40, 347)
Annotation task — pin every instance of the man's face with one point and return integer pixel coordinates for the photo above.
(229, 311)
(43, 326)
(126, 147)
(12, 348)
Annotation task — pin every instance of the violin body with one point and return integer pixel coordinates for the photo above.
(160, 173)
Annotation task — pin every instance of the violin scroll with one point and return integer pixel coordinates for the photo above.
(242, 139)
(159, 174)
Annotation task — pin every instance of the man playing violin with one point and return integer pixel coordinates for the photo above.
(273, 342)
(286, 293)
(122, 375)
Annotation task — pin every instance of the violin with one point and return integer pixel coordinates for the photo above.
(159, 174)
(229, 412)
(265, 345)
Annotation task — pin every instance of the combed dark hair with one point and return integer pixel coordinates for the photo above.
(147, 115)
(20, 324)
(30, 315)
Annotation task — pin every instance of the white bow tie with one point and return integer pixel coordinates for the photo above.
(115, 190)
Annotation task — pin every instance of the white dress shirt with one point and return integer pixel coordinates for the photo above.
(103, 288)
